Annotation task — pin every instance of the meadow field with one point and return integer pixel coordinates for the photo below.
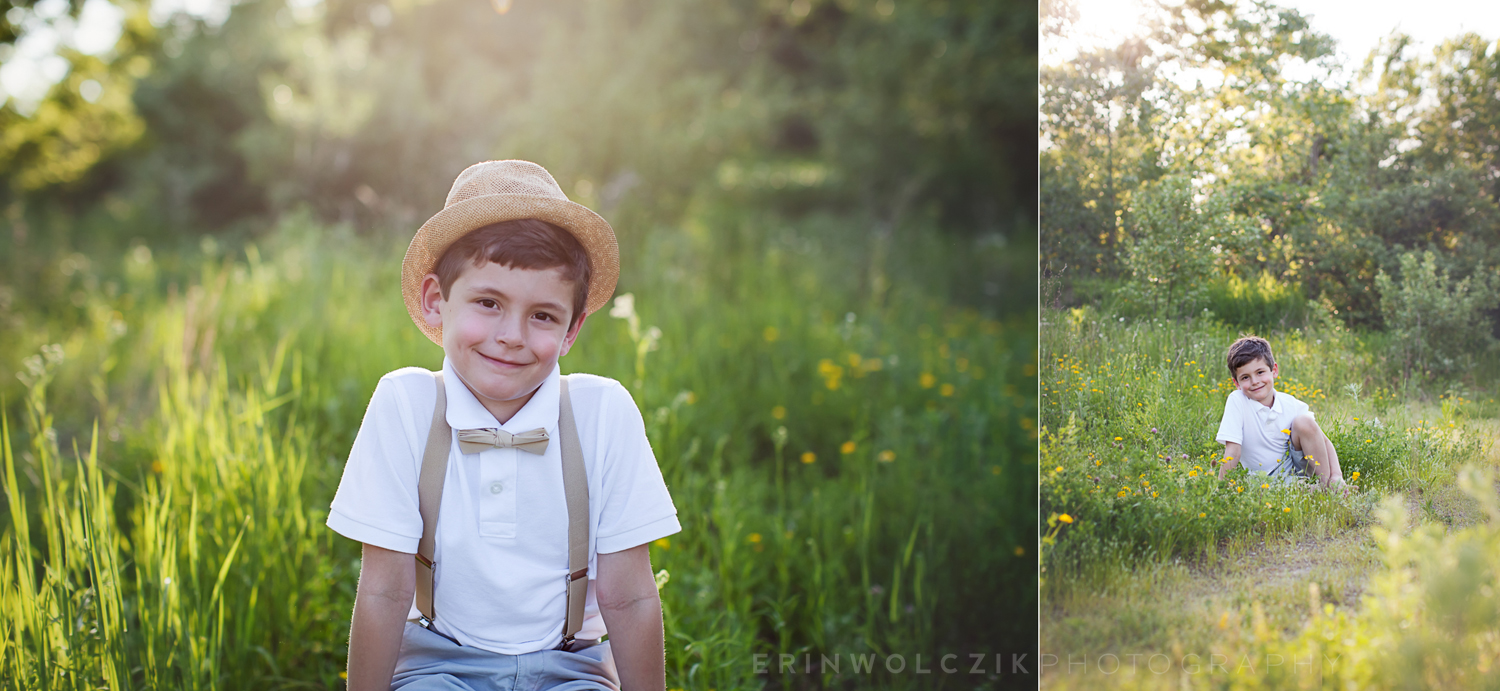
(1246, 583)
(852, 466)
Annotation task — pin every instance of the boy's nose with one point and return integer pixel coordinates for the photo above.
(510, 330)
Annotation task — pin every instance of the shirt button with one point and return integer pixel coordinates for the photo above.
(496, 487)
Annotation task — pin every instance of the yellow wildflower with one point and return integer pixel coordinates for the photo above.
(847, 448)
(1065, 518)
(809, 457)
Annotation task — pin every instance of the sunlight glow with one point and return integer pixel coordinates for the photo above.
(1101, 23)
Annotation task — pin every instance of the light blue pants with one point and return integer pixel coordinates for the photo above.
(429, 662)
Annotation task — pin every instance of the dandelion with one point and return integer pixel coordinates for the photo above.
(1192, 473)
(1118, 438)
(1065, 518)
(1239, 489)
(1286, 509)
(1020, 551)
(1367, 441)
(1153, 495)
(1286, 431)
(1355, 476)
(809, 457)
(946, 390)
(1266, 486)
(771, 334)
(847, 448)
(927, 380)
(888, 455)
(663, 543)
(779, 412)
(1058, 469)
(1203, 515)
(755, 537)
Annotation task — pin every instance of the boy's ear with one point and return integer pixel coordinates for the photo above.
(567, 343)
(432, 300)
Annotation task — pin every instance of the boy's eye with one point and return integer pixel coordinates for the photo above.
(488, 303)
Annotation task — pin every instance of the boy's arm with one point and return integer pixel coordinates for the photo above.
(632, 614)
(1231, 458)
(387, 582)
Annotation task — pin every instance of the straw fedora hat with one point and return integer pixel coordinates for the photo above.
(496, 191)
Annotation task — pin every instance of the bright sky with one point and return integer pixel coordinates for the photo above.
(1357, 25)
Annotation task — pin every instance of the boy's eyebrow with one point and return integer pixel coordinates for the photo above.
(481, 289)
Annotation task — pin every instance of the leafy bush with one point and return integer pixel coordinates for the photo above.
(1175, 243)
(1436, 324)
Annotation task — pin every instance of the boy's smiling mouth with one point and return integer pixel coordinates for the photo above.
(502, 363)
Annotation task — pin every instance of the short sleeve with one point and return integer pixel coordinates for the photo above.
(376, 502)
(1232, 425)
(637, 507)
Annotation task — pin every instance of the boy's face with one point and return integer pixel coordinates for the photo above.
(503, 330)
(1257, 379)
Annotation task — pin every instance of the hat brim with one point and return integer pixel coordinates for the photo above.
(453, 222)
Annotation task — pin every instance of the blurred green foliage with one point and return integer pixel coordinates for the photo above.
(365, 111)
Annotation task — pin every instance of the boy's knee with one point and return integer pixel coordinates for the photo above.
(1305, 424)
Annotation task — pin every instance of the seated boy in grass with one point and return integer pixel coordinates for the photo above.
(1269, 431)
(505, 510)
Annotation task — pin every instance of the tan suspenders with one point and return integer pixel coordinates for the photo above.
(575, 489)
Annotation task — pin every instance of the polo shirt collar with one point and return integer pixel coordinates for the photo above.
(466, 412)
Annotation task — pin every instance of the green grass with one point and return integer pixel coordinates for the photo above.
(1158, 557)
(852, 467)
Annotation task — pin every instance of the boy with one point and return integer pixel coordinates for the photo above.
(481, 585)
(1269, 431)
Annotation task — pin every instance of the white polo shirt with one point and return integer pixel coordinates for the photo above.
(1258, 428)
(502, 533)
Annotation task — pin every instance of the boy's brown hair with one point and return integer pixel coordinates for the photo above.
(1246, 349)
(526, 243)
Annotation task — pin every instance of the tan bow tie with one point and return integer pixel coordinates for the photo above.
(476, 440)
